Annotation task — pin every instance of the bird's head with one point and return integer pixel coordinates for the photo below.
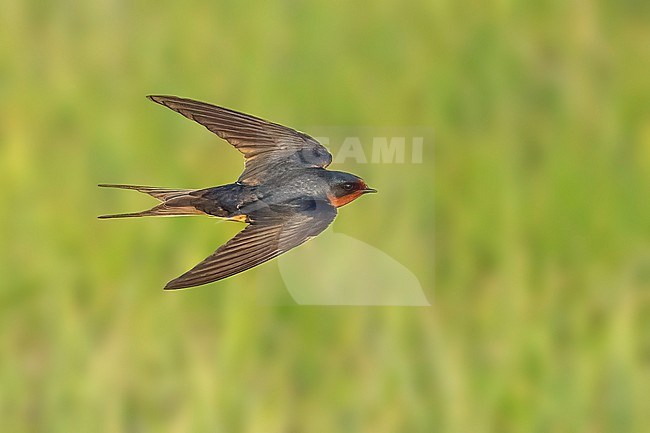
(345, 187)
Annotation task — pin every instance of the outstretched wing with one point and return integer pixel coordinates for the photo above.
(268, 148)
(265, 238)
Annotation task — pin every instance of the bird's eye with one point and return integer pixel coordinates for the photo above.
(348, 186)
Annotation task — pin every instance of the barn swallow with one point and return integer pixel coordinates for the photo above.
(285, 194)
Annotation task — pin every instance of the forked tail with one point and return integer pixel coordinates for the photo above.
(174, 202)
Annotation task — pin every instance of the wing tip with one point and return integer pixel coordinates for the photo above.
(172, 286)
(164, 99)
(183, 281)
(158, 99)
(186, 281)
(179, 283)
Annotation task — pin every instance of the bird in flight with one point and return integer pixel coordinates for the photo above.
(285, 194)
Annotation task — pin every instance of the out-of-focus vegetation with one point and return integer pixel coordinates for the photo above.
(527, 223)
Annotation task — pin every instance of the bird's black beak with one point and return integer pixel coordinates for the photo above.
(367, 190)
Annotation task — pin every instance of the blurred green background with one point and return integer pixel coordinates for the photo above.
(528, 223)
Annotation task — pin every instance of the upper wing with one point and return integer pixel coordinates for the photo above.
(265, 238)
(267, 147)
